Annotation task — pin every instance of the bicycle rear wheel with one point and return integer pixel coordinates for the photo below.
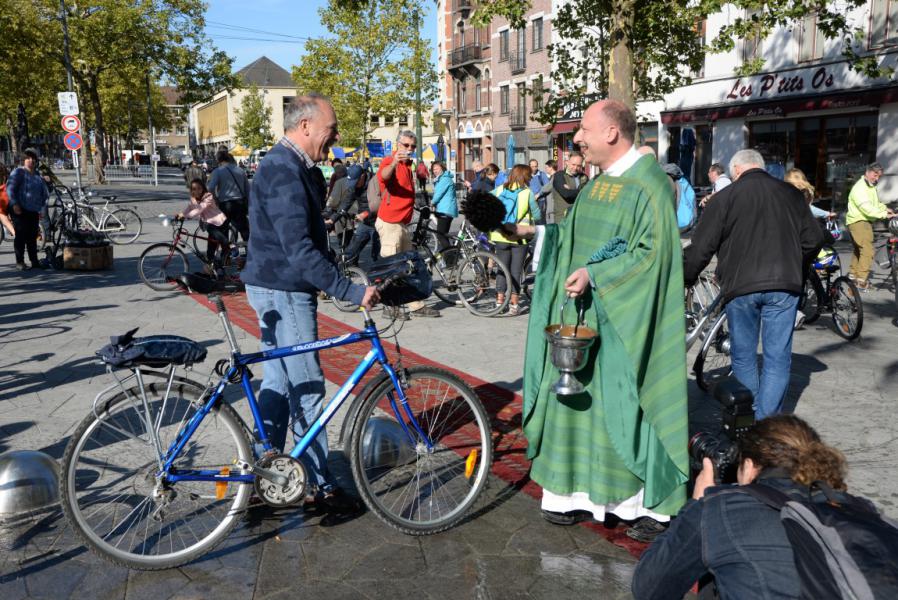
(848, 311)
(713, 362)
(414, 489)
(357, 276)
(812, 295)
(160, 265)
(122, 226)
(476, 288)
(118, 506)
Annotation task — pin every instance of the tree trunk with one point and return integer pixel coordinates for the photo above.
(620, 69)
(13, 138)
(100, 129)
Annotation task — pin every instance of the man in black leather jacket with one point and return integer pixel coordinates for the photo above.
(762, 231)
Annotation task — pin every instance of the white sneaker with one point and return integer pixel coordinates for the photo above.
(799, 321)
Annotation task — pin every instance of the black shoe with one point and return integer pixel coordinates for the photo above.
(425, 311)
(646, 530)
(568, 518)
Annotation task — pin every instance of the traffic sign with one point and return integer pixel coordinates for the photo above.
(388, 147)
(72, 141)
(71, 123)
(68, 103)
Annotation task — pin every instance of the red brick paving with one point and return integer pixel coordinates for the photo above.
(504, 406)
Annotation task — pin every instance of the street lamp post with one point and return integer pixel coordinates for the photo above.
(418, 83)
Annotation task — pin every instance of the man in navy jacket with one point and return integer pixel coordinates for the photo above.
(287, 264)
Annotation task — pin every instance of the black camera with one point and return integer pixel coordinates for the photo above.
(735, 417)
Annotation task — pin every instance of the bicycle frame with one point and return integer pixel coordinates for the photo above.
(240, 361)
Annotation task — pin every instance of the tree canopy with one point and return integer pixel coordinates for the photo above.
(369, 63)
(253, 126)
(114, 44)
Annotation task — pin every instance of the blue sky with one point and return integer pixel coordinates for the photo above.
(227, 20)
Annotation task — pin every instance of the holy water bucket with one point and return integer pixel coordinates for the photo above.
(569, 350)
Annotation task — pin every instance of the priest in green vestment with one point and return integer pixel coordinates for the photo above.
(621, 445)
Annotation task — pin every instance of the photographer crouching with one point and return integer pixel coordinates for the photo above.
(735, 536)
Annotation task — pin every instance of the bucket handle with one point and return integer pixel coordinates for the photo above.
(580, 315)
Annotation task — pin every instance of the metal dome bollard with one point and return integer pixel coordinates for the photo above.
(29, 480)
(385, 444)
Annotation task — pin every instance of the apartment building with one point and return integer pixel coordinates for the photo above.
(520, 69)
(212, 121)
(465, 53)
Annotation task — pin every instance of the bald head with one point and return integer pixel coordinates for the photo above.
(606, 133)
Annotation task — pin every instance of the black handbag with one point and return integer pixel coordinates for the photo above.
(405, 278)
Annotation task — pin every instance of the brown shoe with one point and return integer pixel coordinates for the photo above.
(863, 286)
(425, 311)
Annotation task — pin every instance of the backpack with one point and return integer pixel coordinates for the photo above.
(685, 205)
(843, 547)
(373, 195)
(509, 199)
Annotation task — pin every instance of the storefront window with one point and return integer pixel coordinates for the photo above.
(831, 151)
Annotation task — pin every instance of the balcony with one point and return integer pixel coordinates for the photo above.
(517, 118)
(517, 62)
(464, 5)
(465, 61)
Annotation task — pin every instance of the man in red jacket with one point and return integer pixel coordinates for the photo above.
(397, 189)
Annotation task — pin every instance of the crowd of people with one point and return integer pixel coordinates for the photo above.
(613, 248)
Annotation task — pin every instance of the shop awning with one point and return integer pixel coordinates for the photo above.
(565, 127)
(787, 105)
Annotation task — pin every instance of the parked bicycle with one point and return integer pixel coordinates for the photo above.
(706, 322)
(161, 265)
(462, 272)
(162, 468)
(74, 212)
(826, 290)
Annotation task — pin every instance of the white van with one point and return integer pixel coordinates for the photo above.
(254, 159)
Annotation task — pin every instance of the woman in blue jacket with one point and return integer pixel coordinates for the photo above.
(445, 206)
(28, 196)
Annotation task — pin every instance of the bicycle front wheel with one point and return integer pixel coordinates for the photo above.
(444, 273)
(114, 498)
(713, 362)
(416, 484)
(357, 276)
(812, 297)
(848, 311)
(160, 265)
(476, 288)
(122, 226)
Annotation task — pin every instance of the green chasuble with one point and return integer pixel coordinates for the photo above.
(628, 430)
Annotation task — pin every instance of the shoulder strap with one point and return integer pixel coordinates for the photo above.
(237, 183)
(765, 494)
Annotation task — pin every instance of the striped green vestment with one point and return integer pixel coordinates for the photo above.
(629, 429)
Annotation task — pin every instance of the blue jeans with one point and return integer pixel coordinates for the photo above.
(292, 390)
(770, 316)
(362, 234)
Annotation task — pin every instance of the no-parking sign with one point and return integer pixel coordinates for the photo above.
(71, 123)
(73, 141)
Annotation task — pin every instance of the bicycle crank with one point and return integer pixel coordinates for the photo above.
(281, 480)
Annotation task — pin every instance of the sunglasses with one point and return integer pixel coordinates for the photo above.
(409, 146)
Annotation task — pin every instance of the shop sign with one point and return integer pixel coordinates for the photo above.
(772, 85)
(536, 139)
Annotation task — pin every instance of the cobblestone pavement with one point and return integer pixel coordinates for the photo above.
(51, 322)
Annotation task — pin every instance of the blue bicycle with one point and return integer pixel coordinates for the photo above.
(163, 467)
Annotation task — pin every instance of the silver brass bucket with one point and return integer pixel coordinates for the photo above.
(29, 480)
(569, 350)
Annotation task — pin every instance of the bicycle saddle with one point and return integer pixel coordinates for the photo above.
(110, 198)
(154, 351)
